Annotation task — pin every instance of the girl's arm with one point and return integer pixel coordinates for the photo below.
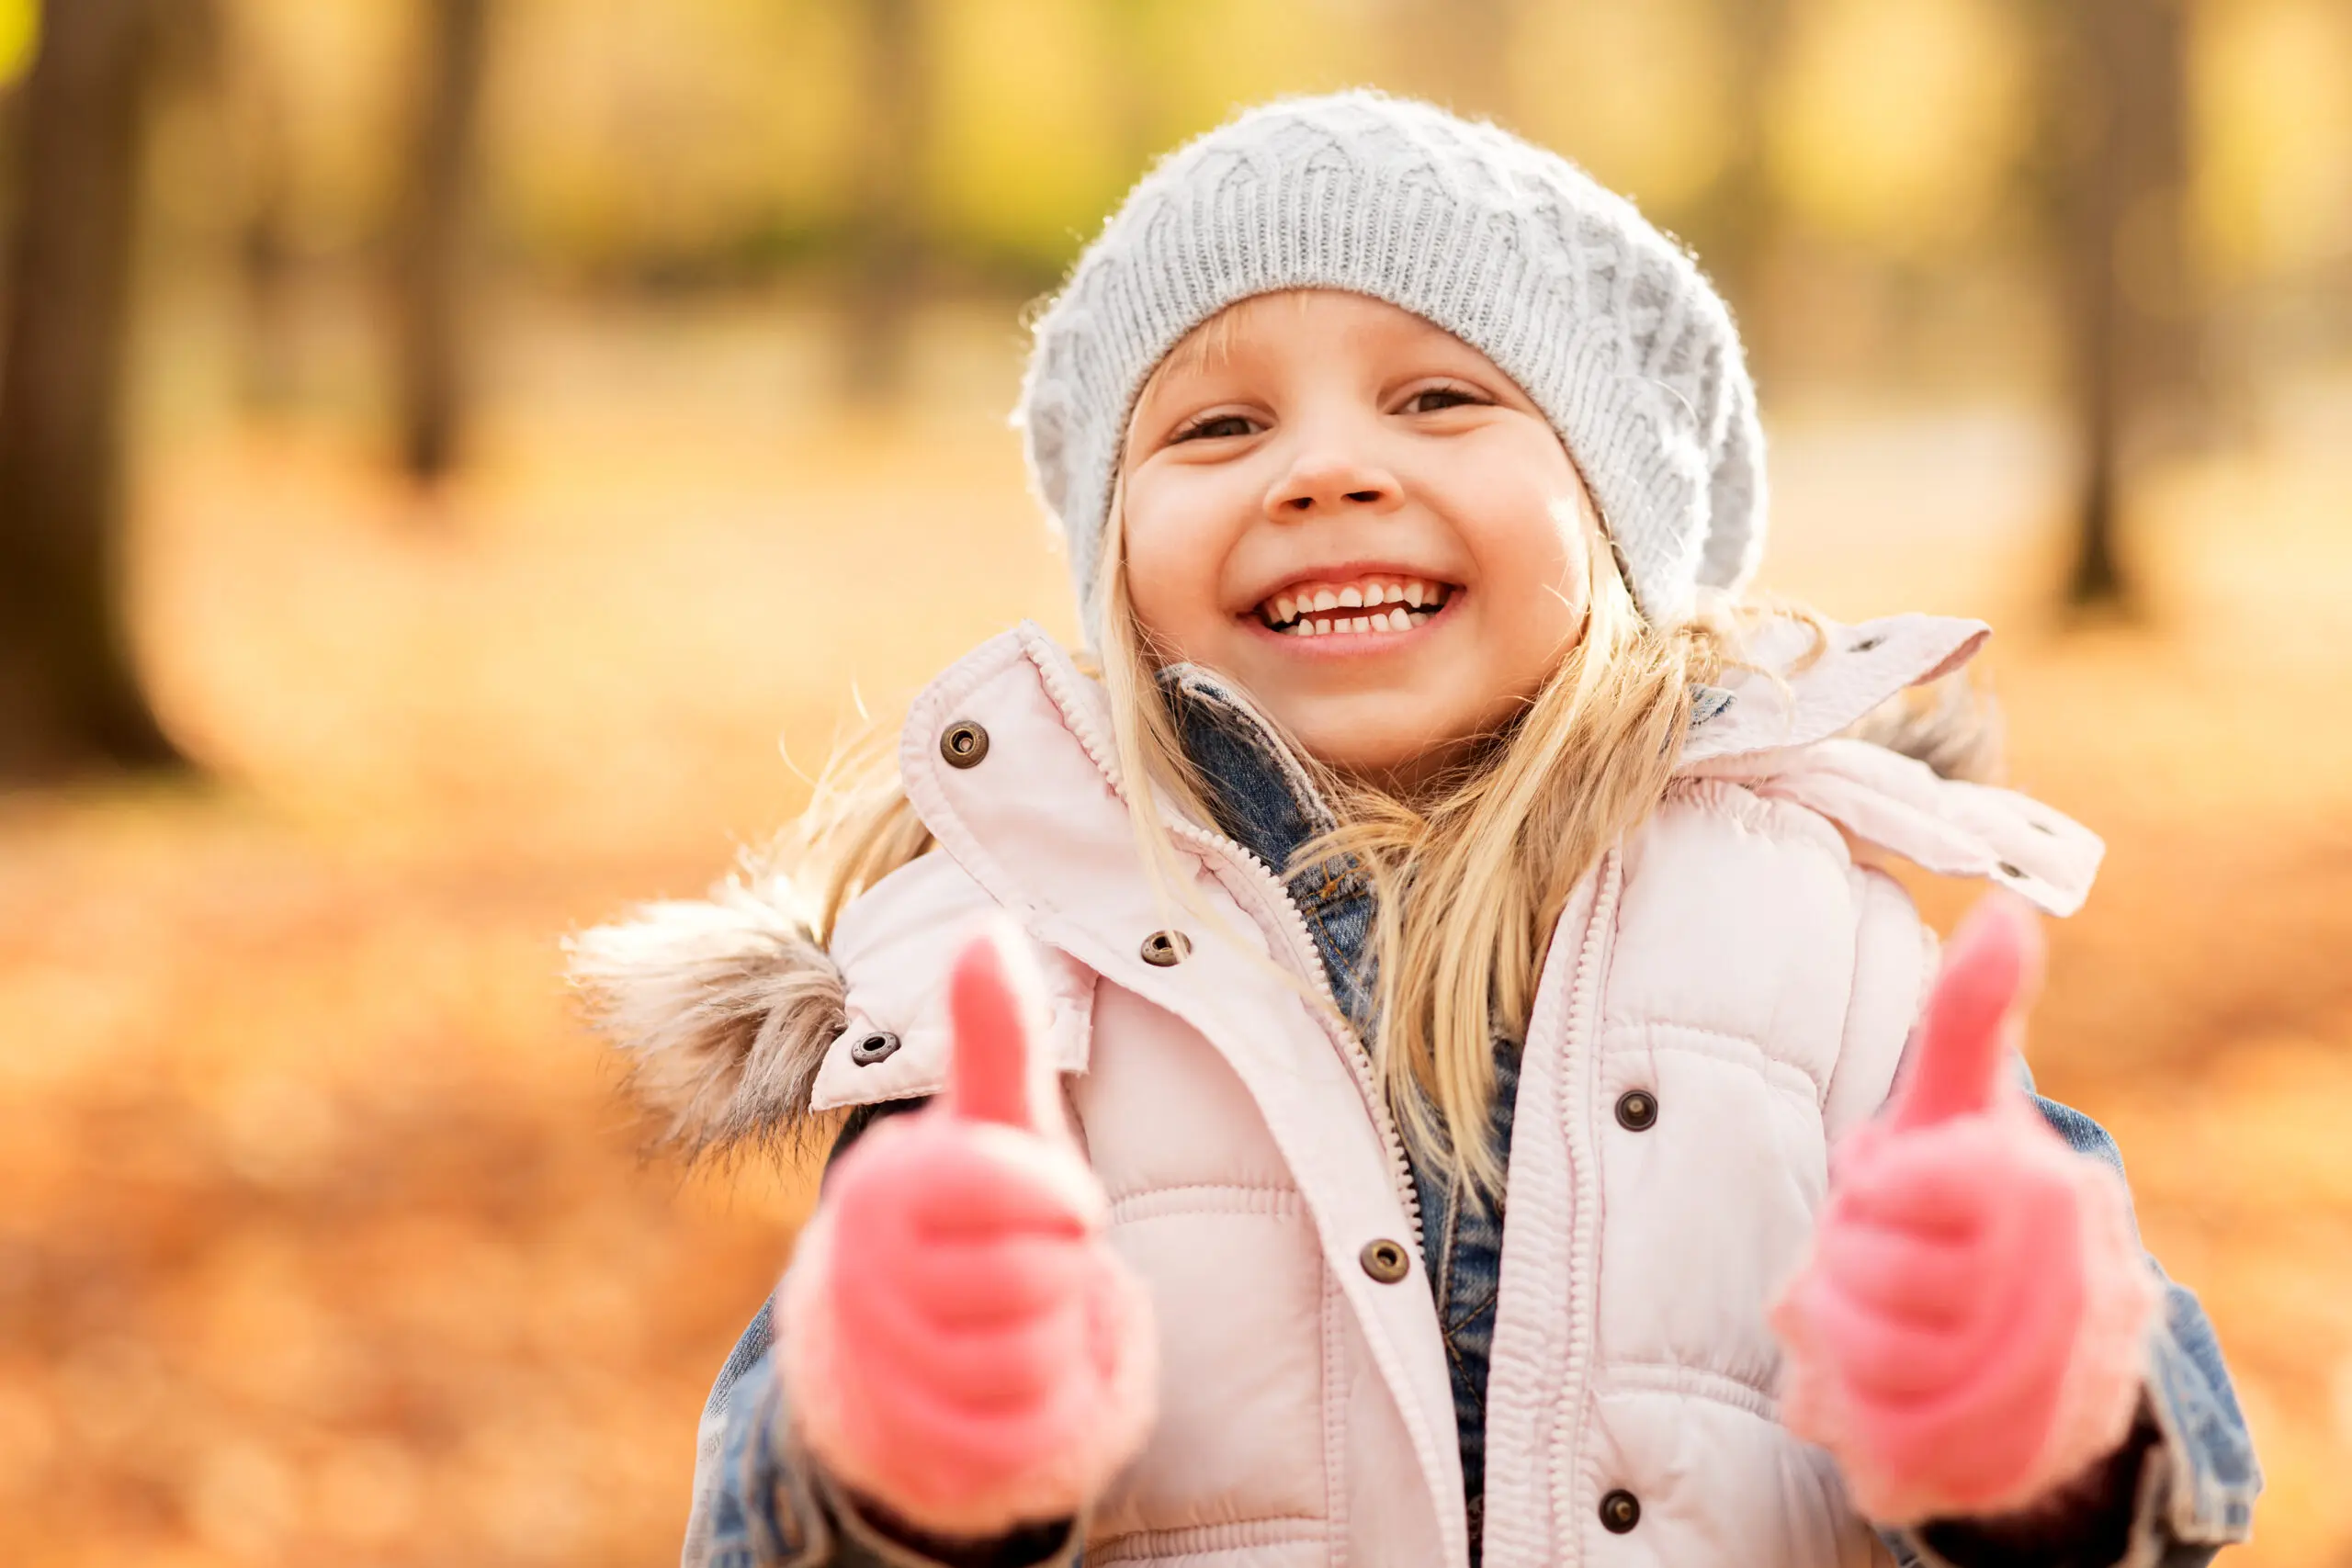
(1978, 1335)
(2181, 1488)
(955, 1339)
(760, 1499)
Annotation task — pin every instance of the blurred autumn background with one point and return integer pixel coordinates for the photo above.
(464, 462)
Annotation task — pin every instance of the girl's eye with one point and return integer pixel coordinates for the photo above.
(1430, 400)
(1216, 427)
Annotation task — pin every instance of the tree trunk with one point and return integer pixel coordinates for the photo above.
(69, 699)
(265, 259)
(886, 238)
(429, 285)
(1738, 229)
(2134, 328)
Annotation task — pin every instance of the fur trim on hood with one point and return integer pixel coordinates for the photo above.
(723, 1008)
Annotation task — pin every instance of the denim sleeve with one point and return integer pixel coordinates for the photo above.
(761, 1502)
(2185, 1487)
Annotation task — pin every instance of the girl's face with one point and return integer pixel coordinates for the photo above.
(1361, 520)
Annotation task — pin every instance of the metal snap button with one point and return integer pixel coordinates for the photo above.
(1637, 1111)
(1385, 1260)
(1619, 1511)
(2011, 871)
(1866, 644)
(1165, 950)
(963, 743)
(879, 1046)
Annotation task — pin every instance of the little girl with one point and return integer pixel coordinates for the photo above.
(1379, 1022)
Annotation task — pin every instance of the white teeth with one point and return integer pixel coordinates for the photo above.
(1292, 615)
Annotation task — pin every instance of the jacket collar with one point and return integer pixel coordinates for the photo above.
(1793, 692)
(1265, 799)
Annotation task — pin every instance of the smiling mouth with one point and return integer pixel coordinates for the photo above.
(1370, 604)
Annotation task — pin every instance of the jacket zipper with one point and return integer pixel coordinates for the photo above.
(1358, 1056)
(1302, 956)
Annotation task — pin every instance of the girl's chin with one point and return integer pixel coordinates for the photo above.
(1373, 747)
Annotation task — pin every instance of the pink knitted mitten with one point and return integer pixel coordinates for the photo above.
(958, 1342)
(1968, 1332)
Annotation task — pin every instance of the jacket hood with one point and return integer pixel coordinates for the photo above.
(720, 1008)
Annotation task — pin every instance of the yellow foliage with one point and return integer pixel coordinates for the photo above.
(19, 35)
(1634, 93)
(676, 129)
(1188, 67)
(1023, 149)
(646, 125)
(2273, 181)
(1895, 123)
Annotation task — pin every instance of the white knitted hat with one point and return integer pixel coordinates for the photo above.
(1605, 322)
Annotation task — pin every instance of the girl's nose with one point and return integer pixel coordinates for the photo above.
(1329, 480)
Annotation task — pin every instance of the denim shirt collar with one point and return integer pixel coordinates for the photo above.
(1265, 799)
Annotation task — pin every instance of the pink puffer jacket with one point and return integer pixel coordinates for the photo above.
(1738, 960)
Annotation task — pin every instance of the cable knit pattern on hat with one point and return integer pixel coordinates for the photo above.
(1604, 322)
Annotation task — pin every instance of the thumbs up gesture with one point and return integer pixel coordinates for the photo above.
(958, 1342)
(1966, 1334)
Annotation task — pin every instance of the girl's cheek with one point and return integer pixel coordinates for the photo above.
(1167, 596)
(1179, 539)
